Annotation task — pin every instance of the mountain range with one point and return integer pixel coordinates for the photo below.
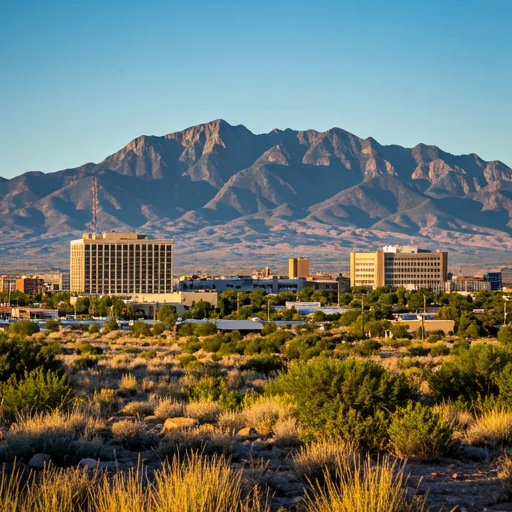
(235, 199)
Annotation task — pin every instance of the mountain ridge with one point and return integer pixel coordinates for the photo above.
(216, 178)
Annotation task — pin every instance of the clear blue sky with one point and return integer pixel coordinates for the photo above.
(80, 79)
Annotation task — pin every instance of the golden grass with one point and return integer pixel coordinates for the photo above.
(139, 408)
(128, 384)
(263, 414)
(169, 408)
(194, 484)
(203, 411)
(311, 461)
(492, 427)
(362, 486)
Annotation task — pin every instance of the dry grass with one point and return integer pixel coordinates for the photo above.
(139, 408)
(362, 486)
(311, 461)
(106, 401)
(169, 408)
(194, 484)
(231, 421)
(203, 411)
(128, 384)
(492, 427)
(263, 414)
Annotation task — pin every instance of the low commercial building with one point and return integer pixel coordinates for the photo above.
(35, 313)
(399, 266)
(243, 326)
(466, 285)
(447, 326)
(272, 284)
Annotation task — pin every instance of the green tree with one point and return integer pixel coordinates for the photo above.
(505, 335)
(167, 314)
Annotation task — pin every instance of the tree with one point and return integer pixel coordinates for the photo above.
(82, 305)
(505, 335)
(167, 314)
(25, 327)
(200, 310)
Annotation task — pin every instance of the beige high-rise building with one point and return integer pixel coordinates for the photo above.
(121, 263)
(298, 267)
(396, 265)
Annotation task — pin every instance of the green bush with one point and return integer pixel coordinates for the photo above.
(215, 389)
(18, 356)
(94, 328)
(24, 328)
(87, 348)
(470, 373)
(440, 349)
(110, 326)
(263, 364)
(419, 432)
(350, 398)
(52, 325)
(158, 329)
(367, 347)
(268, 329)
(36, 391)
(186, 359)
(85, 362)
(140, 329)
(505, 335)
(418, 350)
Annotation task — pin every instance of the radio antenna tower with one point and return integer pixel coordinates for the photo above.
(95, 205)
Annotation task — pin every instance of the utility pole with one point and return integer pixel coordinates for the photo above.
(268, 310)
(362, 315)
(505, 300)
(237, 305)
(338, 291)
(423, 318)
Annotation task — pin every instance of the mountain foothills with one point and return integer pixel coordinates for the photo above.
(227, 194)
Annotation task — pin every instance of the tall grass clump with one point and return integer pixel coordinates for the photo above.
(363, 486)
(491, 427)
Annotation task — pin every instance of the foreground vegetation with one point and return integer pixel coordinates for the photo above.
(309, 418)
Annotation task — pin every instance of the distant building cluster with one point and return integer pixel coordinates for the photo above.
(50, 281)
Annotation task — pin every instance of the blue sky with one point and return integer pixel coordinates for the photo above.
(79, 79)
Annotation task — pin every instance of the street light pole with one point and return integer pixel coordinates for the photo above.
(505, 300)
(362, 315)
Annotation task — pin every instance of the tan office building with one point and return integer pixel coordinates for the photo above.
(406, 266)
(298, 267)
(121, 263)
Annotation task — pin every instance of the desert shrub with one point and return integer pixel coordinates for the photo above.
(268, 328)
(440, 349)
(24, 328)
(52, 325)
(158, 329)
(169, 408)
(148, 354)
(286, 432)
(362, 485)
(435, 337)
(128, 384)
(86, 362)
(398, 342)
(215, 389)
(262, 364)
(109, 326)
(419, 432)
(106, 402)
(367, 347)
(204, 411)
(492, 427)
(400, 331)
(132, 350)
(36, 391)
(94, 328)
(185, 359)
(263, 414)
(139, 408)
(312, 461)
(350, 398)
(131, 434)
(87, 348)
(504, 464)
(470, 372)
(18, 356)
(62, 435)
(140, 329)
(418, 350)
(78, 327)
(307, 346)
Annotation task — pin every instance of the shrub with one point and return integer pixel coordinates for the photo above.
(440, 349)
(94, 328)
(140, 329)
(215, 389)
(311, 462)
(348, 398)
(106, 402)
(139, 408)
(52, 325)
(87, 348)
(86, 362)
(185, 359)
(263, 364)
(203, 411)
(168, 408)
(367, 347)
(419, 432)
(128, 384)
(24, 328)
(505, 335)
(435, 337)
(470, 372)
(37, 390)
(109, 326)
(132, 434)
(418, 350)
(18, 356)
(264, 413)
(158, 329)
(364, 486)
